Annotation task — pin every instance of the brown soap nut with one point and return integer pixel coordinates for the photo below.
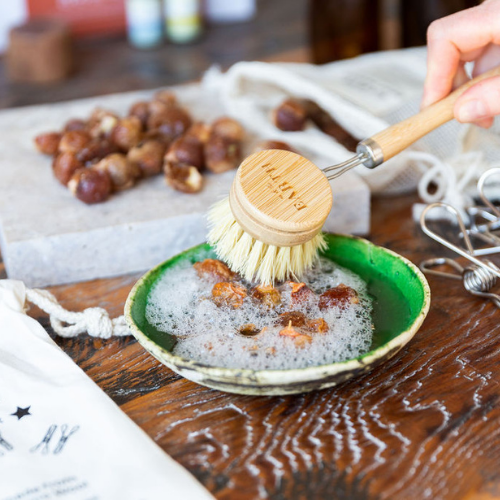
(249, 330)
(300, 293)
(327, 124)
(228, 128)
(302, 340)
(140, 110)
(122, 173)
(290, 331)
(64, 166)
(263, 146)
(154, 135)
(48, 143)
(214, 270)
(267, 295)
(127, 133)
(184, 178)
(73, 141)
(148, 156)
(253, 350)
(171, 123)
(318, 325)
(340, 296)
(200, 131)
(96, 150)
(222, 154)
(165, 96)
(90, 185)
(290, 115)
(102, 122)
(293, 318)
(75, 124)
(156, 108)
(186, 150)
(228, 295)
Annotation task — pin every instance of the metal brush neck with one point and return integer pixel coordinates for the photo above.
(342, 168)
(368, 154)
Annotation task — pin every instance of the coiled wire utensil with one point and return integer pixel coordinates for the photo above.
(479, 278)
(489, 216)
(485, 231)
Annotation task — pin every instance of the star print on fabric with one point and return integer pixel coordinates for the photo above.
(21, 412)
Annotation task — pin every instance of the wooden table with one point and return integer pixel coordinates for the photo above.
(426, 424)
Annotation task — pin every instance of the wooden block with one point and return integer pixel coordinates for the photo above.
(39, 51)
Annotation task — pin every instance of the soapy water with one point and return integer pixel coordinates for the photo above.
(180, 304)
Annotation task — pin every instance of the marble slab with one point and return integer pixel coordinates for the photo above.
(48, 237)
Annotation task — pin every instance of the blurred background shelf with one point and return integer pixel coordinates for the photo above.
(286, 30)
(109, 65)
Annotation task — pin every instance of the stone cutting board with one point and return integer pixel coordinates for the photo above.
(48, 237)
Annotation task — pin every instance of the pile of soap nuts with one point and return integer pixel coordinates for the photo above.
(108, 153)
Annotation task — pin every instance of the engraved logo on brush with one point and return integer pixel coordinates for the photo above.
(282, 188)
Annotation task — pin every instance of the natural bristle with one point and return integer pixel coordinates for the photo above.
(252, 259)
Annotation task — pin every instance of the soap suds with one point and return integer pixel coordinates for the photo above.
(180, 304)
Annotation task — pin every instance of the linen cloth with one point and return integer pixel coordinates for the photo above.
(365, 95)
(61, 436)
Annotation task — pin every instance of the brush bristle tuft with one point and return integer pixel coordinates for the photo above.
(252, 259)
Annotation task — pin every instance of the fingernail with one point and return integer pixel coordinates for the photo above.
(472, 111)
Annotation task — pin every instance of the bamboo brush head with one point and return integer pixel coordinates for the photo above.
(269, 228)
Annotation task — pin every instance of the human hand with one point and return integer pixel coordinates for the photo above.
(469, 35)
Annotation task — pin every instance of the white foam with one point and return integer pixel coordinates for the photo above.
(180, 304)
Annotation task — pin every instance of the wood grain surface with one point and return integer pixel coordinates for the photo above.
(424, 425)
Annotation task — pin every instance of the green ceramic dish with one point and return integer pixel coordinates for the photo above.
(401, 302)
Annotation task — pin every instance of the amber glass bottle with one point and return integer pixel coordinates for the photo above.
(339, 29)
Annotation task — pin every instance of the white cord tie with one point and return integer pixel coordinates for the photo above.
(449, 180)
(94, 320)
(98, 322)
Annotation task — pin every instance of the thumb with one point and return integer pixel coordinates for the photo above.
(480, 102)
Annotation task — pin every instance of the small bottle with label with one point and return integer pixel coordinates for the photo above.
(229, 11)
(183, 20)
(144, 23)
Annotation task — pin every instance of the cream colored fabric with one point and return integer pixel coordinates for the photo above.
(60, 435)
(365, 95)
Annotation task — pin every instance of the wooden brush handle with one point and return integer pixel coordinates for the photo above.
(398, 137)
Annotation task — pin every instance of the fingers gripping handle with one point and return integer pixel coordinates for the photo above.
(391, 141)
